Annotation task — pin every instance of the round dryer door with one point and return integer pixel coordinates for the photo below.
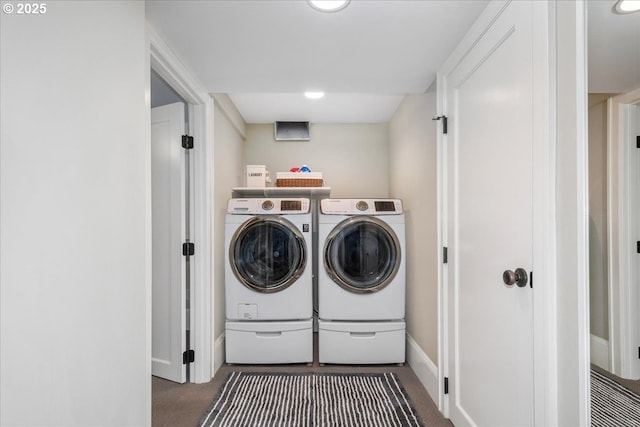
(362, 254)
(267, 254)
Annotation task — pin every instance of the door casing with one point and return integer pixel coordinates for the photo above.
(200, 104)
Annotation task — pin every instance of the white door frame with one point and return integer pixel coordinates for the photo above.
(547, 358)
(623, 207)
(200, 105)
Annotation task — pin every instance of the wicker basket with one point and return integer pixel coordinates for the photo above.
(299, 179)
(298, 182)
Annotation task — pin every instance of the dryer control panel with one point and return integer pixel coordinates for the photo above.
(361, 206)
(272, 206)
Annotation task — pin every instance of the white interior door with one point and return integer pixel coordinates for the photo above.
(624, 234)
(168, 221)
(489, 98)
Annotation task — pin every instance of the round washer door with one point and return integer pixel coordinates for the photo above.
(362, 254)
(267, 254)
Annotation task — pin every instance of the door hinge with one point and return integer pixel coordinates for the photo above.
(638, 246)
(188, 356)
(187, 142)
(444, 122)
(188, 249)
(445, 255)
(531, 279)
(638, 141)
(446, 385)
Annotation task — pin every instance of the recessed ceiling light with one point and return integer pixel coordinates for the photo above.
(314, 95)
(328, 5)
(627, 6)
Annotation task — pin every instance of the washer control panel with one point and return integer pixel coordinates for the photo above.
(272, 206)
(361, 206)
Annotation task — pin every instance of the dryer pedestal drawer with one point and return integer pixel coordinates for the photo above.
(361, 342)
(269, 342)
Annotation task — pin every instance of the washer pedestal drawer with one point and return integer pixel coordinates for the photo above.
(361, 342)
(269, 342)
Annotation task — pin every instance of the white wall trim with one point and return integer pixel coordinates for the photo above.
(148, 236)
(623, 206)
(571, 281)
(600, 352)
(582, 186)
(169, 67)
(545, 317)
(423, 367)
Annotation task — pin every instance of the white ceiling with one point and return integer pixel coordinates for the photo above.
(266, 53)
(614, 49)
(333, 108)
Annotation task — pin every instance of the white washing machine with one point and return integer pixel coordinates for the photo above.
(269, 281)
(361, 281)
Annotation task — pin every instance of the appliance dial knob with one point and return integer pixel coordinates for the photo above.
(362, 205)
(267, 205)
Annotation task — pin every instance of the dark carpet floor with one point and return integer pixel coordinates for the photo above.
(182, 405)
(633, 385)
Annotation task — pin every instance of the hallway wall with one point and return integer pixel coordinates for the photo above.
(75, 282)
(412, 177)
(229, 135)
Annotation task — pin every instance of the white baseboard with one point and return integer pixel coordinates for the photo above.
(218, 353)
(600, 352)
(423, 367)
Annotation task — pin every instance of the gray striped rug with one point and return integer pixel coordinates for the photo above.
(311, 399)
(612, 405)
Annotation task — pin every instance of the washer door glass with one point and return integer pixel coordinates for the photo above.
(362, 254)
(267, 254)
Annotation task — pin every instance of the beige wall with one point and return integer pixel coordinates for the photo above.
(397, 159)
(352, 157)
(598, 271)
(228, 165)
(412, 176)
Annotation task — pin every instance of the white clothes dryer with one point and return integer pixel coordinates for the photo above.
(361, 281)
(269, 281)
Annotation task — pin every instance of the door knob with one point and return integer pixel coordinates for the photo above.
(518, 277)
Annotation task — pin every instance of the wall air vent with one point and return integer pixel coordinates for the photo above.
(292, 131)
